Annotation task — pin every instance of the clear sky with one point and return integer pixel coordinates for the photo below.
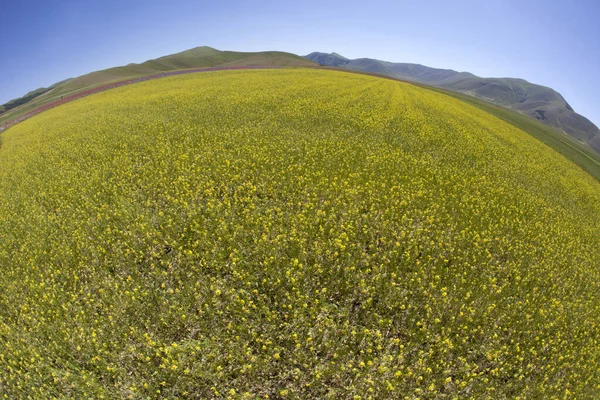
(551, 42)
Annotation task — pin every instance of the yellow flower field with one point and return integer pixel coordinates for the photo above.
(293, 234)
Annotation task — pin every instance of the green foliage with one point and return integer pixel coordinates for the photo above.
(292, 234)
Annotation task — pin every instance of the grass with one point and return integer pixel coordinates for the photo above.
(292, 234)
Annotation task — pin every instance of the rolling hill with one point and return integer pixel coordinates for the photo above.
(198, 57)
(538, 102)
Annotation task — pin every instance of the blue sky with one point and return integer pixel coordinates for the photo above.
(553, 43)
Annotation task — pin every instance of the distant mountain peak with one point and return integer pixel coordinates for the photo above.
(338, 55)
(331, 59)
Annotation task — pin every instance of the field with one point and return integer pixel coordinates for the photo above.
(293, 234)
(96, 89)
(575, 150)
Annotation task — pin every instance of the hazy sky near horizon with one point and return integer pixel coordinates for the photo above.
(552, 43)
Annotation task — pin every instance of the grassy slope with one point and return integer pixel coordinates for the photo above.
(22, 100)
(529, 99)
(296, 234)
(45, 97)
(194, 58)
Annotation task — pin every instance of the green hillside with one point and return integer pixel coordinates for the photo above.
(22, 100)
(198, 57)
(194, 58)
(293, 234)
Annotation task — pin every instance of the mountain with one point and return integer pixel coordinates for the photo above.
(197, 57)
(332, 59)
(536, 101)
